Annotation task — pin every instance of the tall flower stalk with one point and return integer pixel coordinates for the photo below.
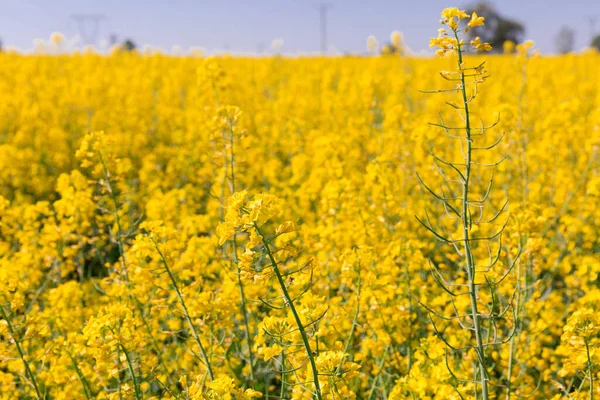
(465, 207)
(228, 117)
(263, 260)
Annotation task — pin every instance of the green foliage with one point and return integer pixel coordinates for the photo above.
(129, 45)
(596, 42)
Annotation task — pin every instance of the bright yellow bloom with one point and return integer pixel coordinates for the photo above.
(583, 323)
(454, 12)
(270, 352)
(479, 45)
(476, 20)
(509, 47)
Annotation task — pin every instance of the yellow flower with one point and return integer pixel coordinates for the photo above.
(286, 227)
(480, 46)
(583, 323)
(223, 387)
(476, 20)
(270, 352)
(523, 48)
(237, 200)
(454, 12)
(509, 47)
(225, 231)
(251, 394)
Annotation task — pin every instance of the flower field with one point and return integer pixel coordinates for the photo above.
(381, 227)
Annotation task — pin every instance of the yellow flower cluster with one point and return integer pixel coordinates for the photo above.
(237, 228)
(445, 42)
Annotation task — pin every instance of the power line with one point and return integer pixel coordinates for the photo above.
(88, 26)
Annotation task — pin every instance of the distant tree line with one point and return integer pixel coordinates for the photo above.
(499, 29)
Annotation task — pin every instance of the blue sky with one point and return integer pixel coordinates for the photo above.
(251, 25)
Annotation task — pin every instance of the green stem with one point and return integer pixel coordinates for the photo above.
(590, 369)
(119, 375)
(246, 321)
(136, 387)
(235, 261)
(123, 262)
(116, 214)
(354, 323)
(185, 311)
(84, 383)
(510, 367)
(409, 356)
(21, 353)
(465, 222)
(154, 343)
(290, 304)
(514, 340)
(282, 393)
(380, 368)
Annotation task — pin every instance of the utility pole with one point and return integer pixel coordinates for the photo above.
(88, 26)
(592, 20)
(323, 9)
(112, 39)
